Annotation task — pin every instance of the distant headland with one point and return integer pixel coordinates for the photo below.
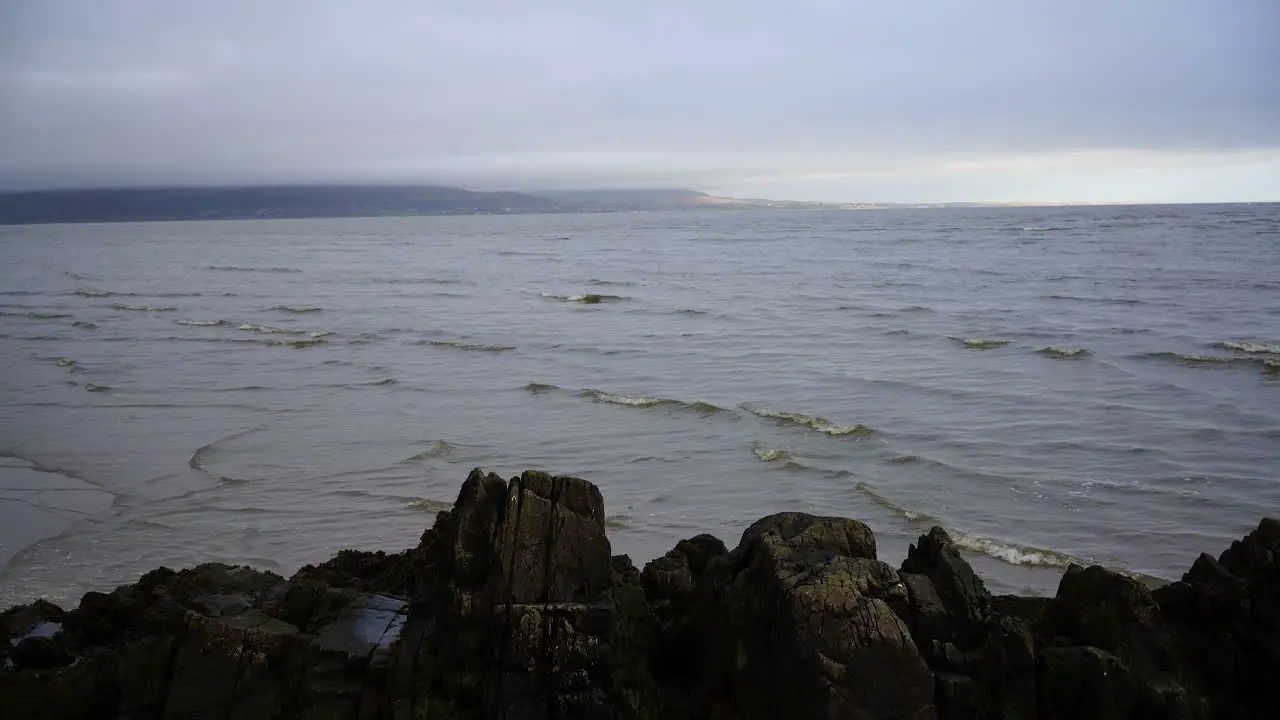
(144, 204)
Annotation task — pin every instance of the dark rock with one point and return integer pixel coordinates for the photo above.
(805, 628)
(511, 606)
(39, 653)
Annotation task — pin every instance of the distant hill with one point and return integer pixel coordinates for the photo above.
(636, 199)
(221, 203)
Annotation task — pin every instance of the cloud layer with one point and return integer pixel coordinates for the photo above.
(911, 100)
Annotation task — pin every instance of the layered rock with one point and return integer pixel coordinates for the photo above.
(512, 606)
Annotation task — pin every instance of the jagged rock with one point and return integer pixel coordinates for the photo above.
(806, 629)
(511, 606)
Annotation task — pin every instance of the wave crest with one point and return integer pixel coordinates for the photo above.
(981, 343)
(475, 347)
(1250, 347)
(143, 308)
(201, 323)
(1011, 553)
(1062, 352)
(641, 401)
(770, 454)
(267, 330)
(819, 424)
(297, 309)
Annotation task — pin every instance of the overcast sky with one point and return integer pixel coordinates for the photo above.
(878, 100)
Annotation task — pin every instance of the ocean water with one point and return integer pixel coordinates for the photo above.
(1051, 385)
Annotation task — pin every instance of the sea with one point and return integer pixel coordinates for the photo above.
(1051, 385)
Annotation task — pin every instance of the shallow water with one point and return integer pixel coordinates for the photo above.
(269, 392)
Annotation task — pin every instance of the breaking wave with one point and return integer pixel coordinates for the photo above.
(981, 343)
(1062, 352)
(98, 293)
(770, 454)
(143, 308)
(641, 401)
(438, 449)
(267, 330)
(1250, 347)
(822, 425)
(459, 345)
(1011, 553)
(201, 323)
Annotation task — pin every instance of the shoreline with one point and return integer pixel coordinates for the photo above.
(512, 605)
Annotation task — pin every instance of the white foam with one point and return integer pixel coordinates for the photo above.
(1251, 347)
(1009, 552)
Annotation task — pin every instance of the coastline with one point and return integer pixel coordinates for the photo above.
(511, 605)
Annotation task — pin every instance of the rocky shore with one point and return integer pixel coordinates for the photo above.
(512, 606)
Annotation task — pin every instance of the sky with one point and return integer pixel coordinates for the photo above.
(831, 100)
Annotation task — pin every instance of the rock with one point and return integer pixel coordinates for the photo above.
(512, 606)
(1084, 682)
(39, 653)
(806, 629)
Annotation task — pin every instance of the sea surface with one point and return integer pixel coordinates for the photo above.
(1051, 385)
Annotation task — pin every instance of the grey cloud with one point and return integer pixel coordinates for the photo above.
(563, 92)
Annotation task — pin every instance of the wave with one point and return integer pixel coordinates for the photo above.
(428, 505)
(1044, 228)
(822, 425)
(459, 345)
(641, 401)
(1250, 347)
(981, 343)
(91, 387)
(439, 449)
(384, 381)
(770, 455)
(1104, 300)
(1011, 553)
(536, 388)
(296, 344)
(143, 308)
(1062, 352)
(587, 299)
(297, 309)
(37, 315)
(874, 496)
(201, 323)
(69, 365)
(321, 334)
(612, 283)
(99, 293)
(1193, 359)
(86, 325)
(690, 311)
(267, 330)
(241, 268)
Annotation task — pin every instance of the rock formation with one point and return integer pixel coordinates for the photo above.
(512, 606)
